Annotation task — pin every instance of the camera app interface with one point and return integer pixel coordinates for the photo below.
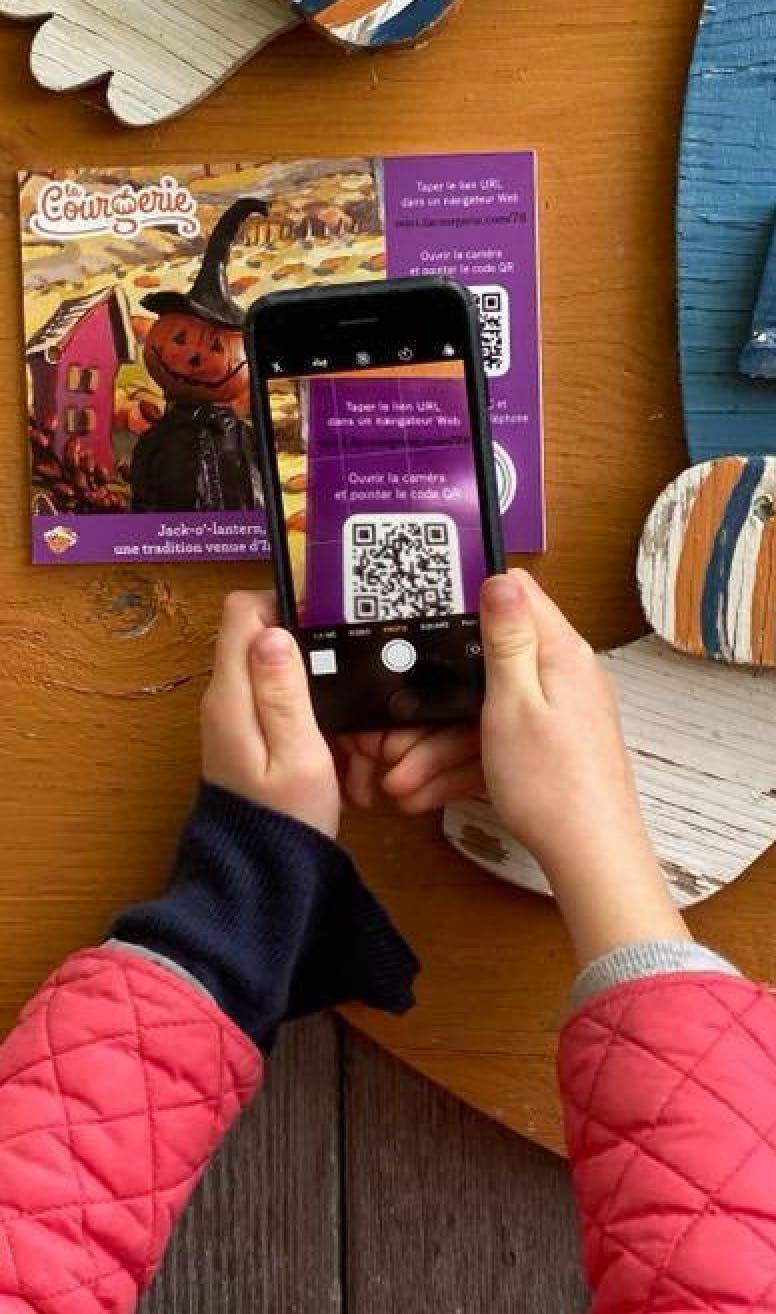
(381, 503)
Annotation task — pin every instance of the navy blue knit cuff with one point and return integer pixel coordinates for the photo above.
(272, 918)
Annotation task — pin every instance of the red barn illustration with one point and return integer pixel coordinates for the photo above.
(73, 360)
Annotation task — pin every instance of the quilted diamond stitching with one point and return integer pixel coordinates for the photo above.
(764, 1295)
(233, 1079)
(83, 967)
(149, 1028)
(91, 1285)
(239, 1090)
(42, 1214)
(102, 1122)
(767, 999)
(152, 1148)
(681, 1289)
(684, 1077)
(221, 1071)
(713, 1196)
(72, 1158)
(661, 1163)
(584, 1111)
(607, 1231)
(656, 1057)
(604, 1054)
(712, 1200)
(18, 1279)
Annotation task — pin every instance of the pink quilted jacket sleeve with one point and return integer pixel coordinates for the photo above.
(669, 1089)
(116, 1086)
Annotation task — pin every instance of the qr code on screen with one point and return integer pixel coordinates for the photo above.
(493, 302)
(400, 568)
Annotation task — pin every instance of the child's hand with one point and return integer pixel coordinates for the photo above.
(259, 736)
(555, 763)
(558, 773)
(555, 766)
(427, 769)
(419, 768)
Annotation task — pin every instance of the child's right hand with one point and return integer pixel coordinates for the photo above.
(555, 763)
(558, 773)
(552, 758)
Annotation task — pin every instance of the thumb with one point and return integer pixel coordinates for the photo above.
(281, 694)
(510, 640)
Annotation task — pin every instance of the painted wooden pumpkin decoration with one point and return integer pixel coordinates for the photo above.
(374, 23)
(707, 561)
(194, 361)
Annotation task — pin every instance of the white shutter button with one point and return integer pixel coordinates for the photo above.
(399, 656)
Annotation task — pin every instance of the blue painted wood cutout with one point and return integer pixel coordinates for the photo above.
(726, 210)
(758, 359)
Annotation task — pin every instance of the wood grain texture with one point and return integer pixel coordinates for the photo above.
(704, 765)
(445, 1212)
(160, 58)
(262, 1234)
(727, 198)
(373, 1193)
(706, 567)
(102, 668)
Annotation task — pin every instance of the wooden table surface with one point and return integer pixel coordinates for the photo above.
(102, 668)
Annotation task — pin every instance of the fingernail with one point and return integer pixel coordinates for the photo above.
(503, 593)
(272, 647)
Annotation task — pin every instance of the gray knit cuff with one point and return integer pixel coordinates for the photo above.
(651, 958)
(140, 951)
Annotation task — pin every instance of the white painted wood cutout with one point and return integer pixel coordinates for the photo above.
(701, 740)
(161, 55)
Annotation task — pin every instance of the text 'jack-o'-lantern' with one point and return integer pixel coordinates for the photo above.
(196, 361)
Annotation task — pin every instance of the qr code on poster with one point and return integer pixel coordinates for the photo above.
(400, 568)
(493, 302)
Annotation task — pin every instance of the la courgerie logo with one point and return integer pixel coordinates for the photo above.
(68, 209)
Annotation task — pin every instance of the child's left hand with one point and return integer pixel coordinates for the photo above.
(260, 738)
(420, 769)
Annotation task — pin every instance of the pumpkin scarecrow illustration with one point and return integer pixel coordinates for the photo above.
(199, 455)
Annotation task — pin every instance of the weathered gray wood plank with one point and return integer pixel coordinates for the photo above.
(262, 1235)
(448, 1213)
(444, 1211)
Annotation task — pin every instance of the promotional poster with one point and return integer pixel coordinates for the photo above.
(136, 283)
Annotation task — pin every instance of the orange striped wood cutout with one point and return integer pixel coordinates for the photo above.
(707, 561)
(374, 23)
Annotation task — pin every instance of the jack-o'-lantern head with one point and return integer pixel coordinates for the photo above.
(195, 349)
(193, 360)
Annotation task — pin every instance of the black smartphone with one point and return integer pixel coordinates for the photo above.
(371, 416)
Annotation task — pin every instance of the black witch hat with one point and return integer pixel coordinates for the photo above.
(209, 298)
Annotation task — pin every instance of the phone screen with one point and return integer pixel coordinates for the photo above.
(380, 500)
(371, 411)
